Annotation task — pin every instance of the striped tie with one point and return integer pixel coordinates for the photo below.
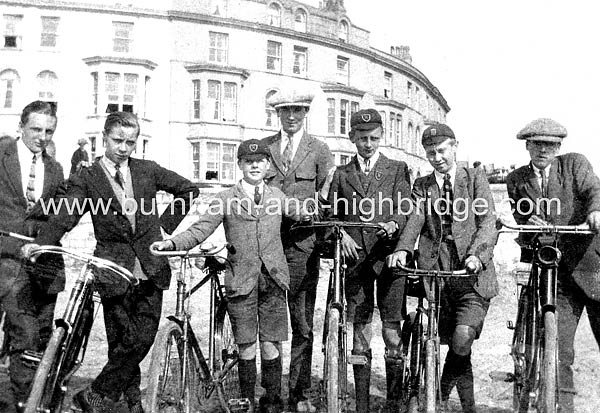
(30, 192)
(119, 176)
(287, 153)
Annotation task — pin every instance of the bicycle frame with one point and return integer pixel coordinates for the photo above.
(534, 347)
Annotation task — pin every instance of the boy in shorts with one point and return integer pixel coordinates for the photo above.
(251, 213)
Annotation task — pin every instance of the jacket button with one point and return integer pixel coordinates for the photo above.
(433, 255)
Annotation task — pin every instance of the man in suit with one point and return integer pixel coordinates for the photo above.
(28, 177)
(454, 219)
(570, 180)
(299, 167)
(371, 177)
(127, 187)
(80, 158)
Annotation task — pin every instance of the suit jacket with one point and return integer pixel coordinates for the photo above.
(573, 183)
(78, 156)
(49, 270)
(115, 238)
(474, 232)
(305, 177)
(388, 183)
(255, 233)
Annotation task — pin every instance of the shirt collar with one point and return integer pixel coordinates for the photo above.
(249, 188)
(439, 177)
(112, 165)
(296, 136)
(372, 160)
(26, 152)
(538, 170)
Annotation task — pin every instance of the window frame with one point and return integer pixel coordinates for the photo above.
(344, 72)
(275, 59)
(121, 43)
(53, 35)
(302, 69)
(218, 47)
(12, 36)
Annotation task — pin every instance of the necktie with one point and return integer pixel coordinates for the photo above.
(119, 176)
(257, 195)
(30, 192)
(544, 183)
(287, 153)
(446, 206)
(367, 166)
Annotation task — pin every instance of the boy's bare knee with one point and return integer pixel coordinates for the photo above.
(462, 339)
(247, 351)
(270, 350)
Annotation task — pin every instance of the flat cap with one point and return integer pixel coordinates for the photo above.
(365, 119)
(543, 129)
(435, 134)
(291, 97)
(253, 148)
(82, 141)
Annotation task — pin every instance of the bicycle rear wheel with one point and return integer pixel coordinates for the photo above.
(167, 389)
(549, 365)
(45, 379)
(225, 358)
(331, 376)
(431, 379)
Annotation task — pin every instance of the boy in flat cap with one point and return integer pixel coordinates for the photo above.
(371, 176)
(453, 238)
(571, 180)
(252, 211)
(300, 164)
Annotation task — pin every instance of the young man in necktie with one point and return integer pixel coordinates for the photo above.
(453, 218)
(371, 178)
(562, 190)
(28, 177)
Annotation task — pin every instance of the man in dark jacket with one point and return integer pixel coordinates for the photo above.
(572, 191)
(124, 230)
(29, 177)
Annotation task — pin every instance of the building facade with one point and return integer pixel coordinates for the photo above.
(198, 74)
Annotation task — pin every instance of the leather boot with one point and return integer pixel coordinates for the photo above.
(271, 376)
(394, 370)
(247, 376)
(449, 374)
(362, 382)
(464, 385)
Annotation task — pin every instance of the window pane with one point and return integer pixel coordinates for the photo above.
(196, 99)
(47, 85)
(274, 56)
(111, 86)
(218, 47)
(272, 120)
(130, 91)
(196, 161)
(49, 31)
(343, 116)
(299, 60)
(274, 15)
(230, 102)
(214, 99)
(212, 161)
(122, 36)
(331, 115)
(95, 92)
(228, 162)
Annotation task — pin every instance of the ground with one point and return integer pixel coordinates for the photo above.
(490, 352)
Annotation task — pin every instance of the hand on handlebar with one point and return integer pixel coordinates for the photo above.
(349, 247)
(166, 245)
(593, 220)
(388, 229)
(398, 257)
(535, 220)
(473, 264)
(27, 249)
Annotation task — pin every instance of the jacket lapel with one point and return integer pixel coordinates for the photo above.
(12, 169)
(352, 170)
(99, 180)
(460, 184)
(275, 148)
(304, 148)
(378, 174)
(243, 198)
(531, 186)
(49, 172)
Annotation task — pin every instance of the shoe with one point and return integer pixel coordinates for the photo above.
(89, 401)
(270, 404)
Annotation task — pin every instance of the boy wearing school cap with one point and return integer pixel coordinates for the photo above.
(374, 180)
(299, 167)
(454, 219)
(570, 180)
(251, 214)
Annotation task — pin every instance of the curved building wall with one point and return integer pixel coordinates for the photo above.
(198, 73)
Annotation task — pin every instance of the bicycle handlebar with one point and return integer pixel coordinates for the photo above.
(434, 273)
(206, 250)
(338, 224)
(583, 229)
(15, 235)
(90, 259)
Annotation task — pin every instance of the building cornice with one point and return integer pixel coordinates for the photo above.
(339, 88)
(389, 102)
(208, 67)
(120, 60)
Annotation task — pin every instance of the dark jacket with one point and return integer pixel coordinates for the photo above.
(115, 238)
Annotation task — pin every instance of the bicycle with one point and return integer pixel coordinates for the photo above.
(66, 348)
(334, 385)
(180, 377)
(421, 344)
(534, 346)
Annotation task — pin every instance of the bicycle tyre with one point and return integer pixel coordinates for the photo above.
(522, 373)
(47, 368)
(431, 381)
(549, 365)
(410, 342)
(332, 362)
(225, 350)
(166, 391)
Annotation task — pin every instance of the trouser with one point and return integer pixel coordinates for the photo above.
(571, 301)
(304, 275)
(131, 321)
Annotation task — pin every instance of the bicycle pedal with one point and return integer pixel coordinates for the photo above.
(31, 359)
(239, 405)
(502, 376)
(357, 359)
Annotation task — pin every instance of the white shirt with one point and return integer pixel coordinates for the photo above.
(110, 165)
(363, 162)
(295, 141)
(249, 189)
(439, 177)
(538, 173)
(25, 159)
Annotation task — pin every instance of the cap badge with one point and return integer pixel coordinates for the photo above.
(253, 147)
(366, 117)
(433, 131)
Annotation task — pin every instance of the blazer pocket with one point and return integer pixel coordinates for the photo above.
(306, 174)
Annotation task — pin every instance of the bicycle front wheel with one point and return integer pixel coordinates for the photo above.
(549, 364)
(225, 358)
(169, 390)
(431, 379)
(331, 372)
(45, 379)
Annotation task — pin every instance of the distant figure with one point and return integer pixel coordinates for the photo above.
(80, 158)
(476, 164)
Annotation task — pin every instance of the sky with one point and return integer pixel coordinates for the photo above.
(500, 64)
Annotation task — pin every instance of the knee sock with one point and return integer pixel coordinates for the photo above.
(458, 371)
(362, 382)
(247, 375)
(271, 376)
